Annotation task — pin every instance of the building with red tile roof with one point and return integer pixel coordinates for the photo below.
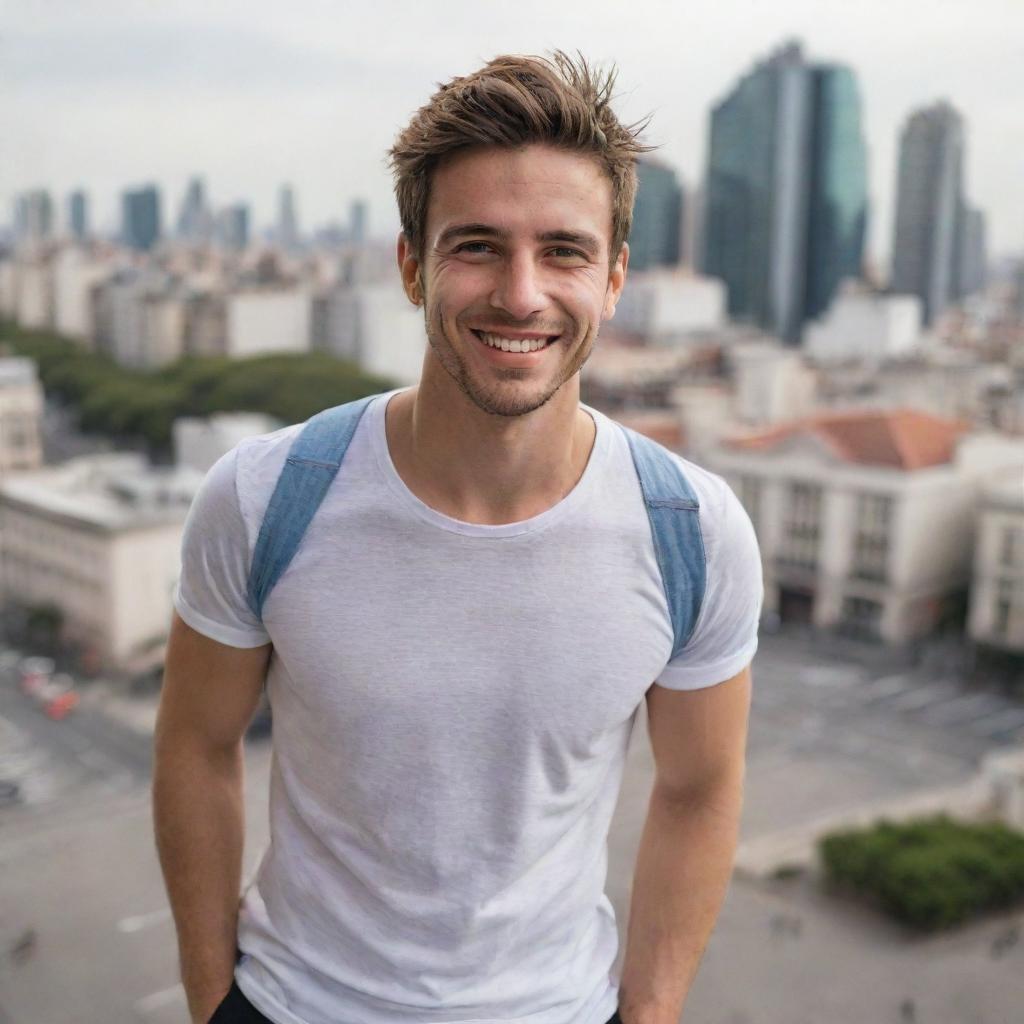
(866, 518)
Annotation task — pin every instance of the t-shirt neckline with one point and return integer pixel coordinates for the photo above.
(378, 435)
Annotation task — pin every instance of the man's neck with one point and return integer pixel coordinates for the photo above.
(482, 468)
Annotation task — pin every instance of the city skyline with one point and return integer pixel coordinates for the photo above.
(180, 93)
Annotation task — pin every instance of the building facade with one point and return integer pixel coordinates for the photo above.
(656, 235)
(929, 202)
(99, 537)
(140, 218)
(786, 191)
(996, 619)
(78, 216)
(865, 519)
(21, 415)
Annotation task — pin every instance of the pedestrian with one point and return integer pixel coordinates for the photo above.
(457, 595)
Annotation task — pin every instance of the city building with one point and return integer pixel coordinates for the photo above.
(771, 383)
(200, 441)
(866, 518)
(33, 217)
(140, 318)
(194, 220)
(140, 218)
(358, 221)
(233, 226)
(265, 319)
(866, 325)
(656, 235)
(666, 306)
(287, 219)
(78, 216)
(373, 324)
(972, 270)
(929, 199)
(99, 537)
(786, 191)
(21, 414)
(28, 286)
(996, 619)
(77, 273)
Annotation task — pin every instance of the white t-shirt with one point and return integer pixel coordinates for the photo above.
(452, 707)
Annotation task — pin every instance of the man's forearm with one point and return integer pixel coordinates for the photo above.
(199, 817)
(682, 873)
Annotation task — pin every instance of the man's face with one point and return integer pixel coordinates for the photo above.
(516, 256)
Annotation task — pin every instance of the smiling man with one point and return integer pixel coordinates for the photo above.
(458, 595)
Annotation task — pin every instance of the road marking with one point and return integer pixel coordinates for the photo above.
(141, 921)
(157, 1000)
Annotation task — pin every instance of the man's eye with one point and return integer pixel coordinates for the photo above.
(473, 247)
(563, 252)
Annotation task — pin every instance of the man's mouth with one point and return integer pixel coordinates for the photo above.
(516, 342)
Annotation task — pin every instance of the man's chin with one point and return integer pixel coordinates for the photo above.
(508, 403)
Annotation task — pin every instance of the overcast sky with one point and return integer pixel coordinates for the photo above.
(105, 94)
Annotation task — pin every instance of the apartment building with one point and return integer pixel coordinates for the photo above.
(996, 619)
(200, 441)
(21, 413)
(865, 518)
(99, 537)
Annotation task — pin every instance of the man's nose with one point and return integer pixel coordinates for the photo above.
(519, 289)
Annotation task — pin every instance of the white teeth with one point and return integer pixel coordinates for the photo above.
(513, 344)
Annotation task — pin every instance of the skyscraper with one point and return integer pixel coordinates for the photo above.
(33, 216)
(929, 204)
(194, 220)
(357, 218)
(78, 216)
(287, 221)
(234, 226)
(140, 217)
(786, 193)
(655, 236)
(972, 255)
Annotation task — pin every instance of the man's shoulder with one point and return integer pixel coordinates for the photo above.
(711, 489)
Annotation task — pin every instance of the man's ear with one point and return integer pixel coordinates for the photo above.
(409, 268)
(616, 281)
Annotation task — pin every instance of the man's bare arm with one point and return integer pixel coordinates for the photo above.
(688, 844)
(210, 692)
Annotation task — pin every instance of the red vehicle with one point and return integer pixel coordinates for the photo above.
(57, 696)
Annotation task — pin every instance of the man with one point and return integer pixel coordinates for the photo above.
(456, 652)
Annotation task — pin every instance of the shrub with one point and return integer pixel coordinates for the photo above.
(929, 873)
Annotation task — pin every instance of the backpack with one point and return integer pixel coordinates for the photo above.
(315, 457)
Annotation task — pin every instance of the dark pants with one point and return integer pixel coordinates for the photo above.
(236, 1009)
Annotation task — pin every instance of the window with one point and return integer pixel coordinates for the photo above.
(1011, 550)
(1005, 591)
(862, 618)
(802, 527)
(871, 541)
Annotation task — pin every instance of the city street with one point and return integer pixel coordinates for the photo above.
(86, 936)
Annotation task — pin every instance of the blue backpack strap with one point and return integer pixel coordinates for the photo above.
(673, 511)
(312, 464)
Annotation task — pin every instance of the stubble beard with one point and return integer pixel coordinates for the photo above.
(494, 401)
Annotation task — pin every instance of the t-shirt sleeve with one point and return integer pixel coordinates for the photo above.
(724, 638)
(211, 591)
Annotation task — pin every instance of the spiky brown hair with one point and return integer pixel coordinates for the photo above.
(515, 101)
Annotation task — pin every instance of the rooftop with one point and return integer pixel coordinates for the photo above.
(109, 492)
(898, 438)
